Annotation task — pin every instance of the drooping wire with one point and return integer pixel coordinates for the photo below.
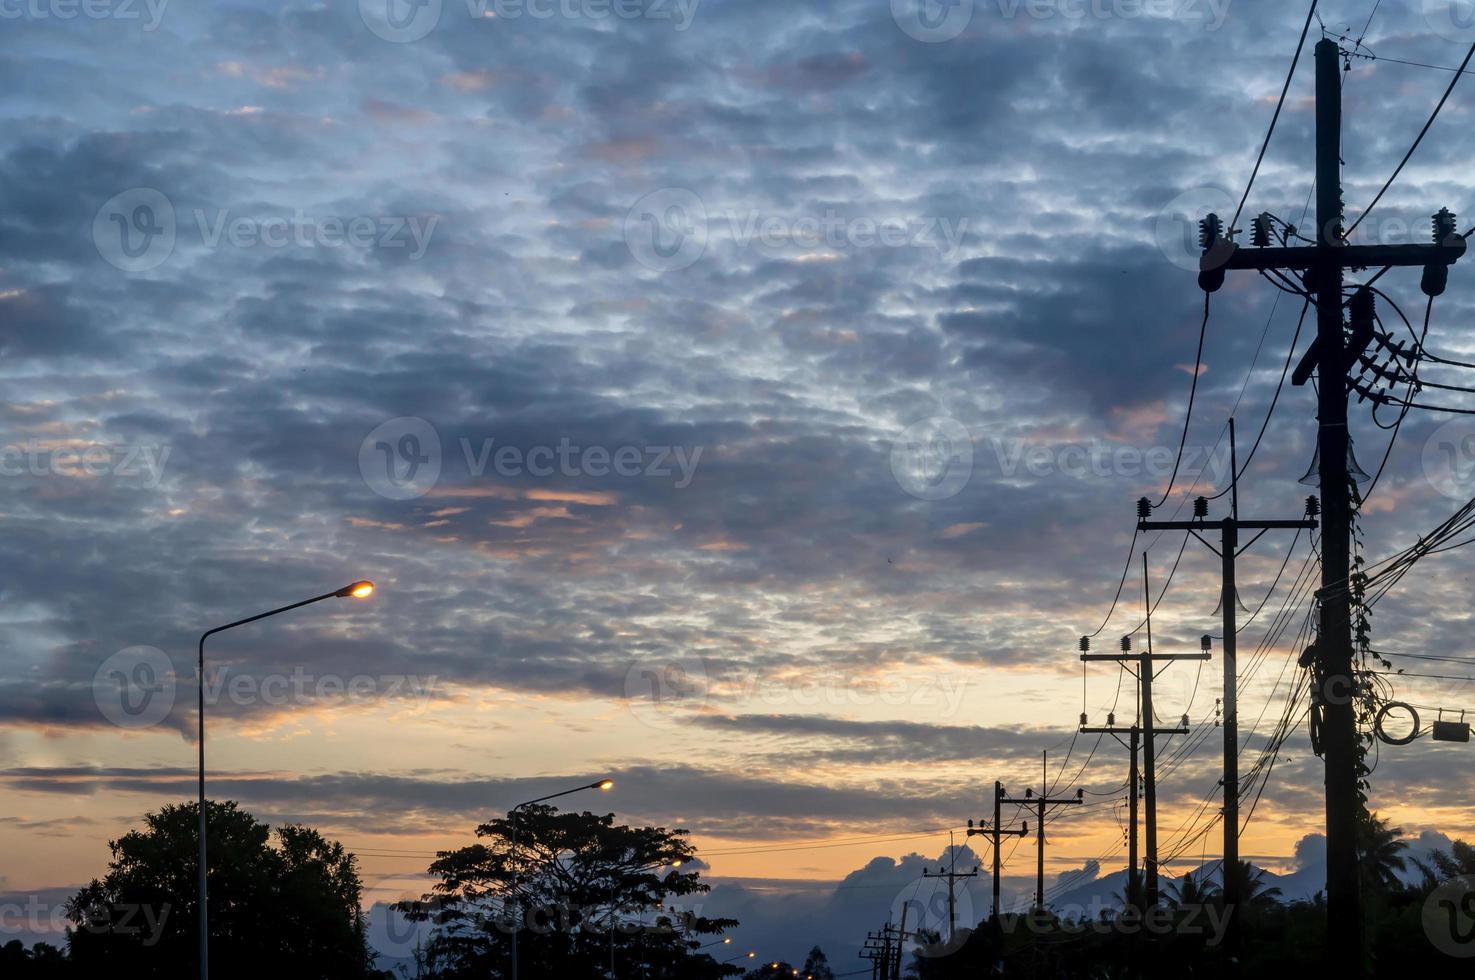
(1417, 140)
(1275, 117)
(1198, 360)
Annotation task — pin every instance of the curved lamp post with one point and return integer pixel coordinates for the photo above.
(356, 590)
(604, 786)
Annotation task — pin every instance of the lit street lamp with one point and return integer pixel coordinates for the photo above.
(604, 786)
(356, 590)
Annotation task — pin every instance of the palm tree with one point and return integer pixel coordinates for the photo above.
(1258, 893)
(1458, 860)
(1192, 892)
(1380, 854)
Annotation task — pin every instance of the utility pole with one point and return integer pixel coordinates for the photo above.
(994, 832)
(1229, 551)
(952, 877)
(1323, 264)
(1143, 733)
(884, 950)
(1040, 803)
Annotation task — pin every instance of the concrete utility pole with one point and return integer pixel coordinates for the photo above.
(1146, 727)
(1323, 264)
(952, 875)
(1040, 803)
(994, 832)
(1229, 550)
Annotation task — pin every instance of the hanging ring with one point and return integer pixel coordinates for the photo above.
(1383, 714)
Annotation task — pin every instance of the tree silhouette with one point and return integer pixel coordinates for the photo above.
(1256, 891)
(817, 966)
(581, 891)
(289, 910)
(1193, 891)
(41, 960)
(1380, 849)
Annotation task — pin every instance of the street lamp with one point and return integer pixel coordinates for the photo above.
(355, 590)
(604, 786)
(740, 956)
(724, 941)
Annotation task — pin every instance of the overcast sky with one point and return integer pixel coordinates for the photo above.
(743, 399)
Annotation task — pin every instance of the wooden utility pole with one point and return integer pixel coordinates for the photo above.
(1229, 551)
(1143, 733)
(1040, 803)
(994, 832)
(1323, 264)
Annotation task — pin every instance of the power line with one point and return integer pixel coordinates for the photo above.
(1417, 140)
(1295, 60)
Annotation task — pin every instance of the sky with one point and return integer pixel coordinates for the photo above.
(743, 400)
